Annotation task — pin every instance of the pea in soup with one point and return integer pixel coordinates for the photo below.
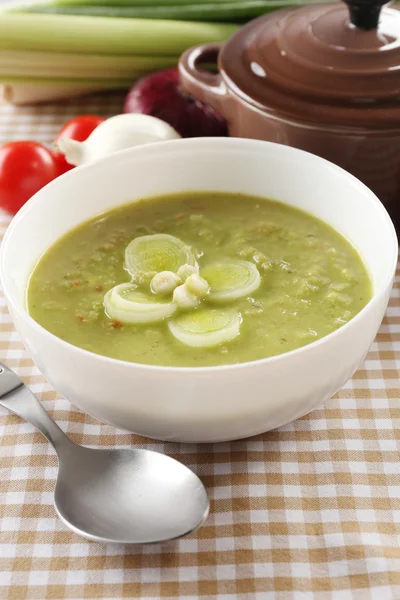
(198, 279)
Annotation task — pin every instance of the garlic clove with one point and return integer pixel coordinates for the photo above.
(115, 134)
(164, 283)
(186, 270)
(71, 149)
(197, 285)
(183, 298)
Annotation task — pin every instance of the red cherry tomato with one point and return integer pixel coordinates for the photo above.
(80, 128)
(77, 129)
(25, 167)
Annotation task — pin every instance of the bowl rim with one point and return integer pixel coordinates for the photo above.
(198, 143)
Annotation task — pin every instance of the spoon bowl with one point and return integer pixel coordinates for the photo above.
(125, 496)
(128, 496)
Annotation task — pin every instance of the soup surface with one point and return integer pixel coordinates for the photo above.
(310, 280)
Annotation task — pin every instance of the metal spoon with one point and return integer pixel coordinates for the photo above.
(122, 496)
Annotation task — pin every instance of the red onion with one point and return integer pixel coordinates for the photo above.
(160, 95)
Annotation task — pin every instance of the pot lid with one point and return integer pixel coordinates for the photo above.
(325, 63)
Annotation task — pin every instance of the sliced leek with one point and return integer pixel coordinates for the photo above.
(127, 304)
(231, 279)
(157, 253)
(206, 328)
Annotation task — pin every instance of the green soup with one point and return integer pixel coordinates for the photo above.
(310, 280)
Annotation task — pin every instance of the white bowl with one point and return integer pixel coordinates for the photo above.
(206, 404)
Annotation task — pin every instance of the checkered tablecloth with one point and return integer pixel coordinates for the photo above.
(307, 512)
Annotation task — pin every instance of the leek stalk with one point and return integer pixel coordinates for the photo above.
(100, 84)
(101, 35)
(132, 3)
(20, 63)
(233, 11)
(44, 57)
(23, 93)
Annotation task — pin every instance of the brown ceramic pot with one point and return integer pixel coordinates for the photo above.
(320, 78)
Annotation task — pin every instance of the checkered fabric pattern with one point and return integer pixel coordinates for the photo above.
(307, 512)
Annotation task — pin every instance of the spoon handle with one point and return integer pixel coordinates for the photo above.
(16, 397)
